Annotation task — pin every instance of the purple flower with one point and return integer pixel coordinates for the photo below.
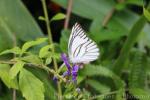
(66, 73)
(55, 79)
(71, 71)
(66, 61)
(74, 72)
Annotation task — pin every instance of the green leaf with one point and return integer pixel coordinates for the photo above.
(15, 50)
(32, 59)
(135, 2)
(23, 24)
(127, 18)
(132, 37)
(146, 13)
(80, 78)
(140, 93)
(56, 55)
(123, 21)
(41, 18)
(98, 86)
(83, 9)
(48, 84)
(97, 11)
(5, 33)
(5, 77)
(120, 6)
(48, 60)
(120, 94)
(58, 16)
(64, 40)
(44, 51)
(137, 76)
(111, 32)
(92, 70)
(29, 44)
(31, 87)
(144, 38)
(16, 68)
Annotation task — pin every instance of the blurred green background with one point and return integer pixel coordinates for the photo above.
(119, 27)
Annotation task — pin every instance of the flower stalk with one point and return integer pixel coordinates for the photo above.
(51, 42)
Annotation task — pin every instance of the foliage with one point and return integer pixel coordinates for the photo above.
(30, 62)
(27, 81)
(146, 13)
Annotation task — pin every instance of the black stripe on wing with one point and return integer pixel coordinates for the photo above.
(76, 31)
(91, 49)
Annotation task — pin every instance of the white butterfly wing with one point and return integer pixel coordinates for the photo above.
(81, 49)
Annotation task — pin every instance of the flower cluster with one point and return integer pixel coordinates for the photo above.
(71, 71)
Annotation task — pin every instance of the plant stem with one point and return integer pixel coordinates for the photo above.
(108, 17)
(51, 41)
(14, 94)
(14, 44)
(49, 31)
(69, 8)
(38, 66)
(110, 14)
(47, 21)
(61, 67)
(55, 73)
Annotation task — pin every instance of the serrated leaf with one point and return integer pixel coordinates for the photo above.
(5, 77)
(44, 51)
(98, 86)
(48, 84)
(29, 44)
(31, 87)
(32, 59)
(137, 75)
(146, 13)
(15, 50)
(16, 68)
(58, 16)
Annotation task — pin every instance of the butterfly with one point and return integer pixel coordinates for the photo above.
(81, 49)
